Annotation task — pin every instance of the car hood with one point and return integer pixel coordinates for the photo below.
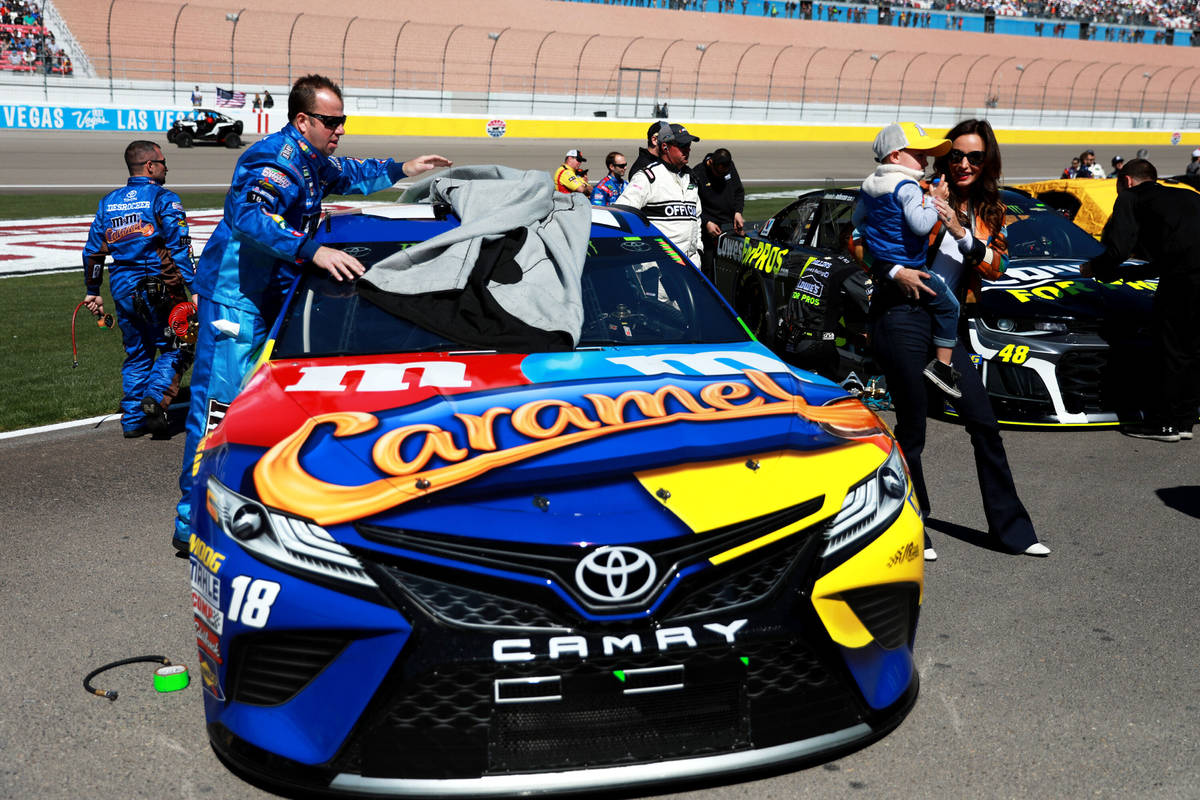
(1054, 288)
(431, 440)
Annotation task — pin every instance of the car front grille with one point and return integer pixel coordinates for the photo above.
(1011, 382)
(887, 611)
(445, 722)
(1080, 374)
(494, 583)
(271, 668)
(463, 605)
(741, 588)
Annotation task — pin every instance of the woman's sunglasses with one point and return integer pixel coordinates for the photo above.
(975, 157)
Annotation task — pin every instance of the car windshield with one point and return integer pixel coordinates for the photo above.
(1036, 230)
(636, 291)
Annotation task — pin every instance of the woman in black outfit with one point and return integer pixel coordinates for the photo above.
(966, 244)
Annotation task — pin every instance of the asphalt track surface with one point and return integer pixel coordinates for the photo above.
(93, 160)
(1067, 677)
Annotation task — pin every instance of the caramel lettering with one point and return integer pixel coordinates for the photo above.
(283, 482)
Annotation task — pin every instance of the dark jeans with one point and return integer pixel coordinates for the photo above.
(1177, 359)
(902, 339)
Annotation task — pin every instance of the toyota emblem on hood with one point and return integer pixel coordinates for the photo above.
(612, 574)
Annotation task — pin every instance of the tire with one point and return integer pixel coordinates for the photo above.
(183, 139)
(233, 141)
(171, 134)
(755, 308)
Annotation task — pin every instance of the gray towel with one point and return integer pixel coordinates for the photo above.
(491, 201)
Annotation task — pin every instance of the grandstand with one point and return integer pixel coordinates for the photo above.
(27, 44)
(547, 57)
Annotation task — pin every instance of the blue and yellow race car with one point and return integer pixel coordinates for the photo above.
(430, 569)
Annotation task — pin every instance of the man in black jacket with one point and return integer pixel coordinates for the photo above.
(1162, 225)
(722, 200)
(649, 154)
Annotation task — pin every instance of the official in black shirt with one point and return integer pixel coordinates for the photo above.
(1162, 225)
(722, 200)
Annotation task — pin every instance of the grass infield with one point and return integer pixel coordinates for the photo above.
(37, 383)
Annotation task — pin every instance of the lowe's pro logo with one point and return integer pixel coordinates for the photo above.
(613, 574)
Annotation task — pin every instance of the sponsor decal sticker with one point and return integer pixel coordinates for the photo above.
(207, 556)
(127, 226)
(910, 552)
(205, 583)
(208, 675)
(207, 613)
(207, 640)
(275, 177)
(496, 128)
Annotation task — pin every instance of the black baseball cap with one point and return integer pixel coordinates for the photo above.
(676, 134)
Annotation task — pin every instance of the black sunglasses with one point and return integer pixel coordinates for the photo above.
(333, 123)
(162, 161)
(975, 157)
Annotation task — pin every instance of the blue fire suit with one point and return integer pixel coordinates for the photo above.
(143, 229)
(271, 210)
(608, 190)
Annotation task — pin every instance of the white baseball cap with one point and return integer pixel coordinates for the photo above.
(1196, 153)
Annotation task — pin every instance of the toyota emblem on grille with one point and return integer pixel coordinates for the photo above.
(611, 574)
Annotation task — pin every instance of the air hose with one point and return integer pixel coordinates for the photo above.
(105, 321)
(167, 678)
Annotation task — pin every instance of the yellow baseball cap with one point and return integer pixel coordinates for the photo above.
(907, 136)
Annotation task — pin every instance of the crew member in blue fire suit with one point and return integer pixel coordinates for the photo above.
(271, 211)
(143, 229)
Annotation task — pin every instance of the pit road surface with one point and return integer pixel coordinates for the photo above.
(1066, 677)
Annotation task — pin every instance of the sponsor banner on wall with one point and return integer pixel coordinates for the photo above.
(74, 118)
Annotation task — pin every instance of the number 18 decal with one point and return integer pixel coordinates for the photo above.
(252, 600)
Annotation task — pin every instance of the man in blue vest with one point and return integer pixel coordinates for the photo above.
(272, 207)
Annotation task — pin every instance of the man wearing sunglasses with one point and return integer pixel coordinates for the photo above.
(666, 193)
(143, 229)
(611, 185)
(271, 211)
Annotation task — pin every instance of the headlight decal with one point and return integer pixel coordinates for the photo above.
(870, 506)
(282, 539)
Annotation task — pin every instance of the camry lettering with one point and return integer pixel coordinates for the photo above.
(557, 647)
(470, 448)
(381, 377)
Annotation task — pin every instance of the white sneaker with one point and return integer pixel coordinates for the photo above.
(930, 554)
(1037, 549)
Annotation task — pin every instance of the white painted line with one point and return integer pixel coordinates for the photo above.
(58, 426)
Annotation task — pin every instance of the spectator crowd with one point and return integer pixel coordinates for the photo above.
(1152, 13)
(1162, 14)
(26, 45)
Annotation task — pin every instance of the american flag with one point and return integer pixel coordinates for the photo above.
(228, 99)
